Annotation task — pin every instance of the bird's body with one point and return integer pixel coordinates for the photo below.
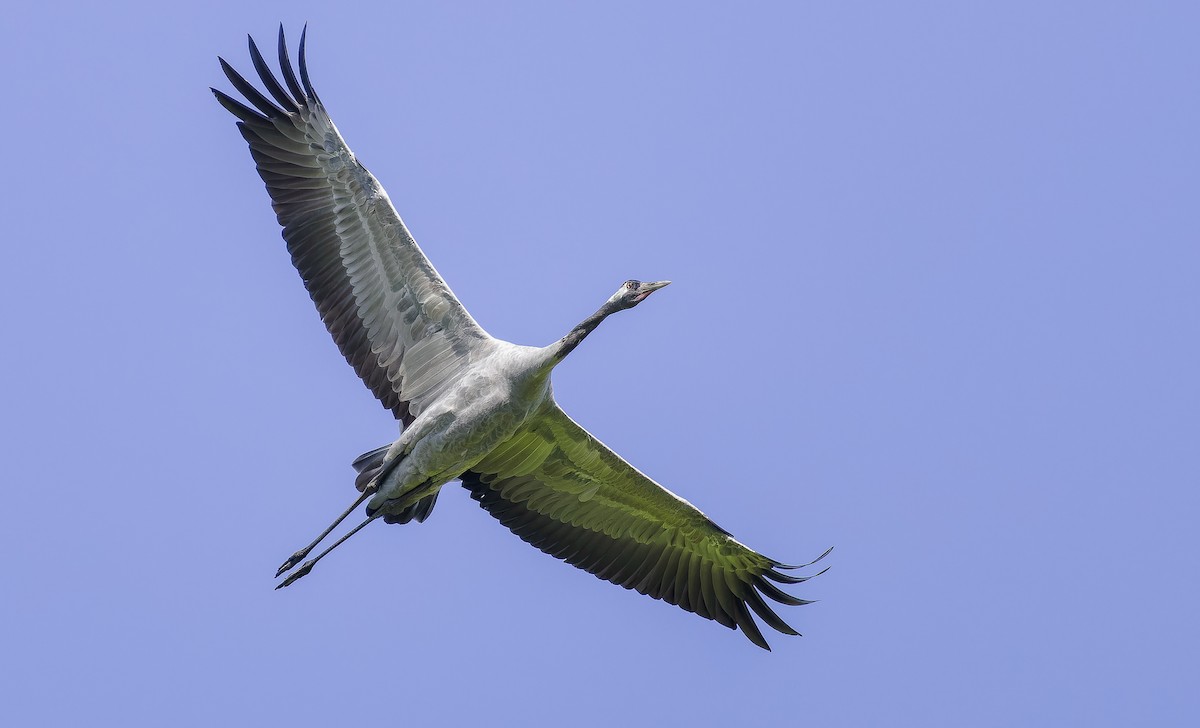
(472, 407)
(507, 385)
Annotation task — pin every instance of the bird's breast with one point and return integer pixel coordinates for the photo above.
(485, 408)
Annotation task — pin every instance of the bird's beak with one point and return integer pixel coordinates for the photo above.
(650, 287)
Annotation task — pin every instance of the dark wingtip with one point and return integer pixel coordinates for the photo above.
(775, 593)
(285, 65)
(240, 110)
(251, 94)
(779, 565)
(741, 615)
(269, 80)
(768, 615)
(308, 87)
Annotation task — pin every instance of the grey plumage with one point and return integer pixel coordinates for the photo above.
(472, 407)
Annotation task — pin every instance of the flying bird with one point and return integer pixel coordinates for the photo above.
(472, 407)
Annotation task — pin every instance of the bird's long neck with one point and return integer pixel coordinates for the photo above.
(568, 343)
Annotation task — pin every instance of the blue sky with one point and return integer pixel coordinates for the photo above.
(935, 305)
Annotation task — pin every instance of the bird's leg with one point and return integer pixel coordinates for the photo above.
(299, 555)
(307, 567)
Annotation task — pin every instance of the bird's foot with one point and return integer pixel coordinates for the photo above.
(295, 559)
(303, 570)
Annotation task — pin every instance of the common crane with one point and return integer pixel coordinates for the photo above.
(472, 407)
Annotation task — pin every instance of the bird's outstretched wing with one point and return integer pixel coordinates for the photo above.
(391, 314)
(563, 491)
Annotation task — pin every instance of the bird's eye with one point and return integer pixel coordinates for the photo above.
(631, 285)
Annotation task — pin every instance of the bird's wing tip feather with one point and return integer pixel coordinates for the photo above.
(780, 565)
(308, 87)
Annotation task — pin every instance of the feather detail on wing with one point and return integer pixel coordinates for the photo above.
(391, 314)
(563, 491)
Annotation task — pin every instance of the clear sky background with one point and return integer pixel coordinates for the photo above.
(935, 304)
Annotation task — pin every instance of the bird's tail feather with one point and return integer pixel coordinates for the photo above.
(368, 466)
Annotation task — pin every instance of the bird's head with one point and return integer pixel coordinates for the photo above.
(631, 293)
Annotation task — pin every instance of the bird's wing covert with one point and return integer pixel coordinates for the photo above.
(563, 491)
(391, 314)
